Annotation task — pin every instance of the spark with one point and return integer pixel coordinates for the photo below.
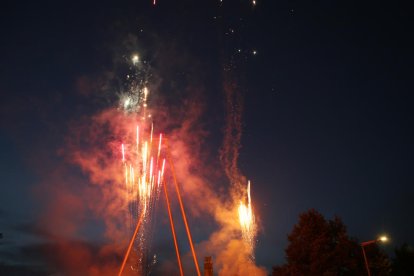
(145, 93)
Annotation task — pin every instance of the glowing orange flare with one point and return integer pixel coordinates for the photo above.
(247, 222)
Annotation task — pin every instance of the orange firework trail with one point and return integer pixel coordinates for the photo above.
(173, 231)
(187, 228)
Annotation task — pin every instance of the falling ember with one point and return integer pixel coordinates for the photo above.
(247, 221)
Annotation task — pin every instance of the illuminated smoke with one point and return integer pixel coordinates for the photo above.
(124, 161)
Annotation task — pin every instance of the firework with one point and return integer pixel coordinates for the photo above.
(247, 221)
(143, 162)
(144, 171)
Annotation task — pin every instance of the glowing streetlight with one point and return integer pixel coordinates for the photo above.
(382, 238)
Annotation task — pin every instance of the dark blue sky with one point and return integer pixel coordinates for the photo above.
(327, 120)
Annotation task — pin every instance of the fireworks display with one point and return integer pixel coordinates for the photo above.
(126, 150)
(143, 158)
(145, 167)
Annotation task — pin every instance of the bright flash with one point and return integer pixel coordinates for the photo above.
(254, 2)
(383, 238)
(135, 59)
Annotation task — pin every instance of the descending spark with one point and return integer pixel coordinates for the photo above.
(247, 222)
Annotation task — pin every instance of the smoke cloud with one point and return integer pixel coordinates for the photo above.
(93, 148)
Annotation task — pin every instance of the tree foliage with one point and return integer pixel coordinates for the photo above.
(403, 263)
(322, 247)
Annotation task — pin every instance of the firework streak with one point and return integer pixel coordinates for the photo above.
(247, 222)
(143, 167)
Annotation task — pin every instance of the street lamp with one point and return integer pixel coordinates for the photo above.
(382, 238)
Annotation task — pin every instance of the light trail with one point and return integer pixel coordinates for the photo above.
(247, 221)
(173, 231)
(187, 228)
(131, 243)
(143, 180)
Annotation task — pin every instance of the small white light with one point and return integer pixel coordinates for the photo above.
(126, 103)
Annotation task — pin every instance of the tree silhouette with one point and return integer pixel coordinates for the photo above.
(322, 247)
(403, 263)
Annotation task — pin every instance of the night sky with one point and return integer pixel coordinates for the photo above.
(327, 115)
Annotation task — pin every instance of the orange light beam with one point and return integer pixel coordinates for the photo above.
(131, 243)
(187, 228)
(173, 230)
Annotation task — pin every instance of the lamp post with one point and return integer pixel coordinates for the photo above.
(363, 244)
